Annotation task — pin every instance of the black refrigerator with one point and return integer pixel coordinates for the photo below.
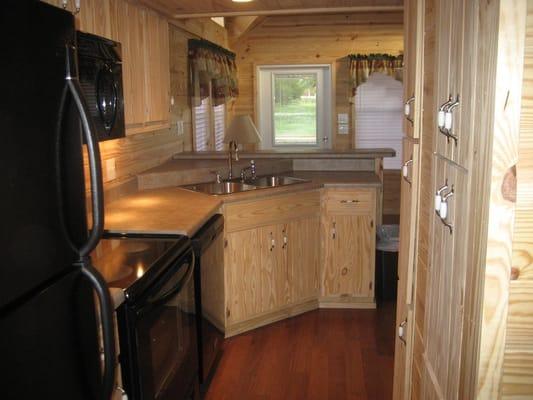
(53, 303)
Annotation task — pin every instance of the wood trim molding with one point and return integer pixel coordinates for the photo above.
(292, 11)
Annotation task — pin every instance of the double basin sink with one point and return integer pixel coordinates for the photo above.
(237, 186)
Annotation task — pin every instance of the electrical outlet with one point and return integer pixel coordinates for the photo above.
(110, 169)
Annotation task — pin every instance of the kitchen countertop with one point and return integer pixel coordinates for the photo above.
(291, 154)
(179, 211)
(169, 210)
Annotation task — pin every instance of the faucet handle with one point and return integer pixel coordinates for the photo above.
(217, 175)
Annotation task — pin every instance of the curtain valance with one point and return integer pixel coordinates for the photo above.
(212, 72)
(362, 66)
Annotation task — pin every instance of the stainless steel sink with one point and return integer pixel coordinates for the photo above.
(216, 188)
(274, 180)
(236, 186)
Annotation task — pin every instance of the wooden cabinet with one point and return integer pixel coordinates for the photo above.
(144, 36)
(348, 240)
(464, 253)
(242, 265)
(271, 259)
(406, 270)
(157, 69)
(303, 257)
(412, 66)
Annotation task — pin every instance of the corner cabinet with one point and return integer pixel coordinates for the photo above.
(144, 36)
(348, 240)
(271, 259)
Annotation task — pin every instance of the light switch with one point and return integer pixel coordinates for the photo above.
(343, 129)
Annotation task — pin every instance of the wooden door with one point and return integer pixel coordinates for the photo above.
(456, 9)
(444, 93)
(95, 17)
(349, 256)
(303, 247)
(274, 269)
(242, 262)
(406, 271)
(446, 284)
(157, 83)
(127, 27)
(413, 30)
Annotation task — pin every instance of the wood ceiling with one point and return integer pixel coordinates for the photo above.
(209, 8)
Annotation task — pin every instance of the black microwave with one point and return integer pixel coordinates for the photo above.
(100, 75)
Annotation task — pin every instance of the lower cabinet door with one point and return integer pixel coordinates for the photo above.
(349, 243)
(242, 260)
(302, 244)
(274, 277)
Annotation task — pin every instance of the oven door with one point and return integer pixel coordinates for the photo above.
(163, 360)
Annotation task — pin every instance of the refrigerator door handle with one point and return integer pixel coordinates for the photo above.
(93, 150)
(108, 333)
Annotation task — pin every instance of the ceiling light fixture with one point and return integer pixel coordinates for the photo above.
(242, 1)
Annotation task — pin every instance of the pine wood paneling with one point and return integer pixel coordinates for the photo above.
(179, 7)
(518, 362)
(303, 258)
(249, 214)
(274, 276)
(242, 263)
(325, 39)
(348, 249)
(506, 132)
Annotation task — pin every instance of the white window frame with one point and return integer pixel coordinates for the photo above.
(265, 104)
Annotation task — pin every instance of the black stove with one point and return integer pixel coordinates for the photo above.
(133, 261)
(157, 321)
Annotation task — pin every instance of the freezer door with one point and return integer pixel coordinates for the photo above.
(49, 343)
(41, 164)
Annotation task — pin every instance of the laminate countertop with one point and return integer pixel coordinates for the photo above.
(174, 210)
(168, 210)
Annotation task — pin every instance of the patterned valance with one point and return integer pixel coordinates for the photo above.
(362, 66)
(211, 67)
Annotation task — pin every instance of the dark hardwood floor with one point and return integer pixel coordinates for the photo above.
(320, 355)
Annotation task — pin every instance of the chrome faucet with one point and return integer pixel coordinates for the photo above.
(233, 150)
(252, 170)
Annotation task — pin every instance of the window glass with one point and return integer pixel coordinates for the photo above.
(295, 109)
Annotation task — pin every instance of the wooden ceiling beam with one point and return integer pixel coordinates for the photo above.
(291, 11)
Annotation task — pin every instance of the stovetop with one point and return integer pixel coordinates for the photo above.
(126, 259)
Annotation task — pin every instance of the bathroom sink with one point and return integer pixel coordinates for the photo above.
(220, 188)
(274, 181)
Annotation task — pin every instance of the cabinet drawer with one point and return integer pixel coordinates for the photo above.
(350, 201)
(272, 210)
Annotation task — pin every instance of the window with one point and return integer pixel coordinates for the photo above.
(209, 126)
(294, 106)
(379, 116)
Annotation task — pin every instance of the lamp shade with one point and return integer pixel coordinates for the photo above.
(242, 130)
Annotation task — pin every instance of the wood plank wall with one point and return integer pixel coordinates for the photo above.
(315, 39)
(136, 153)
(517, 381)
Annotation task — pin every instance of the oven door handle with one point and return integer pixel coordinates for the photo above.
(149, 305)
